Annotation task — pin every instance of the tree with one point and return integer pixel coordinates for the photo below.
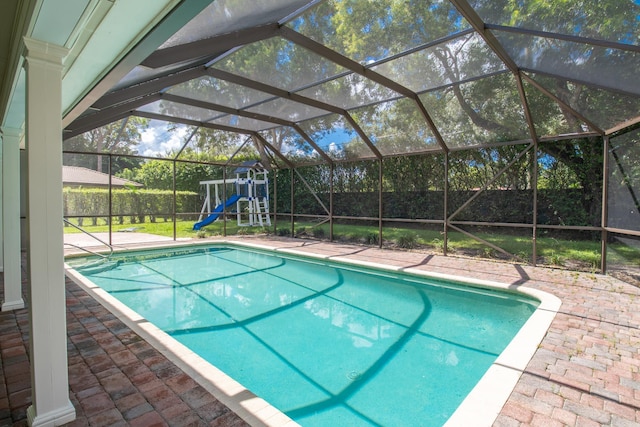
(120, 137)
(158, 174)
(210, 145)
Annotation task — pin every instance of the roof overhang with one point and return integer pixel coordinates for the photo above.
(105, 38)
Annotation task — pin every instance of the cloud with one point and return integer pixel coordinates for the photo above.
(156, 141)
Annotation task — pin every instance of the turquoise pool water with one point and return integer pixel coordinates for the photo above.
(328, 344)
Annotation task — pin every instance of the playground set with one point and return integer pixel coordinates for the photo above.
(248, 191)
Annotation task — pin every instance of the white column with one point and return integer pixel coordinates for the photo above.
(45, 254)
(1, 221)
(11, 219)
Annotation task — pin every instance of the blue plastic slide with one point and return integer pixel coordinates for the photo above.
(216, 212)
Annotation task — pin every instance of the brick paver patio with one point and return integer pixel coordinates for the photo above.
(586, 371)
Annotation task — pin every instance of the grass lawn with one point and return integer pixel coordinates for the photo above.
(162, 228)
(551, 251)
(575, 254)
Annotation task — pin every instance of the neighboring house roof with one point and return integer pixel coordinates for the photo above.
(76, 175)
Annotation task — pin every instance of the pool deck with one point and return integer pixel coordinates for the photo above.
(586, 371)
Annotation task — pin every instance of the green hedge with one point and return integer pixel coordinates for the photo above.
(554, 206)
(557, 207)
(134, 204)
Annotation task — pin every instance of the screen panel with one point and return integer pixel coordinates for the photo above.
(225, 16)
(607, 67)
(287, 110)
(292, 145)
(479, 112)
(454, 61)
(279, 63)
(379, 29)
(178, 110)
(396, 127)
(491, 185)
(549, 117)
(570, 182)
(624, 182)
(413, 187)
(211, 89)
(350, 91)
(612, 21)
(336, 137)
(605, 108)
(216, 146)
(623, 257)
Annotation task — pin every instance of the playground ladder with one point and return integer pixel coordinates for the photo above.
(262, 210)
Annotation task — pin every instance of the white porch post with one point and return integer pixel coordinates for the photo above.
(11, 219)
(1, 204)
(45, 254)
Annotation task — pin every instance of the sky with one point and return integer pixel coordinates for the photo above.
(156, 141)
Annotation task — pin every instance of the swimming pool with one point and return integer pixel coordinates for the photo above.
(323, 342)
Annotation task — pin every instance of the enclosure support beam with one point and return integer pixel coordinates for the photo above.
(293, 176)
(110, 200)
(605, 208)
(607, 44)
(45, 256)
(164, 118)
(275, 201)
(1, 223)
(288, 163)
(11, 219)
(235, 153)
(224, 109)
(380, 203)
(534, 187)
(272, 90)
(445, 236)
(432, 126)
(624, 127)
(534, 171)
(331, 171)
(224, 197)
(252, 84)
(241, 113)
(218, 45)
(362, 135)
(150, 87)
(175, 219)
